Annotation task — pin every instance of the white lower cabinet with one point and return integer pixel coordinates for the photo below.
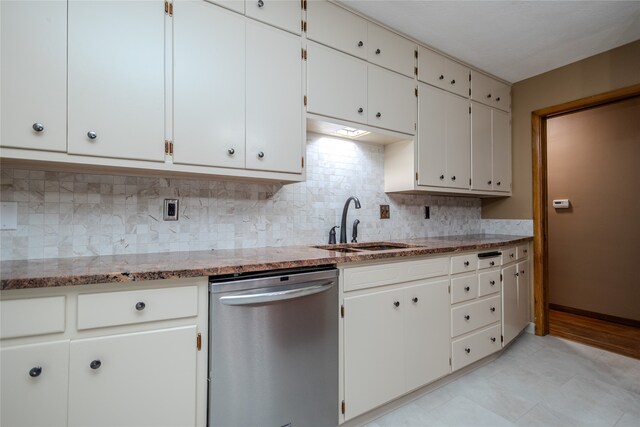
(515, 299)
(147, 376)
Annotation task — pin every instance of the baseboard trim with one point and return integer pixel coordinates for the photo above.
(594, 315)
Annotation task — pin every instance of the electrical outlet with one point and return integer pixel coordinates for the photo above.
(427, 214)
(170, 209)
(384, 212)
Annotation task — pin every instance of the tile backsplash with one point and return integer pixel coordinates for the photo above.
(62, 214)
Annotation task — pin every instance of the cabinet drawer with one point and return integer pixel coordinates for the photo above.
(464, 288)
(488, 262)
(462, 263)
(474, 347)
(508, 255)
(475, 315)
(32, 316)
(123, 308)
(522, 251)
(489, 282)
(370, 276)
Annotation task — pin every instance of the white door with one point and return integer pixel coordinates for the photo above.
(432, 136)
(481, 154)
(426, 333)
(334, 26)
(138, 379)
(33, 390)
(458, 142)
(117, 79)
(510, 317)
(336, 84)
(33, 76)
(501, 151)
(392, 100)
(373, 350)
(523, 294)
(274, 100)
(208, 93)
(284, 14)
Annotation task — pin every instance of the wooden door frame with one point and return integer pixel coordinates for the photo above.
(540, 226)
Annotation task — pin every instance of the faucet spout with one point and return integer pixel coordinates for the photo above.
(343, 223)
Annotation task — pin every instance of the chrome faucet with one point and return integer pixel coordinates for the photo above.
(343, 223)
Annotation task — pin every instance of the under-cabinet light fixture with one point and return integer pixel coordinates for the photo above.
(351, 132)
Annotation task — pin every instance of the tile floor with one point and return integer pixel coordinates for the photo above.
(538, 381)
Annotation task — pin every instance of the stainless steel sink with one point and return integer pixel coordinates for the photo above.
(365, 247)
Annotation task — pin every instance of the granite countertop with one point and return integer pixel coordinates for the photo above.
(172, 265)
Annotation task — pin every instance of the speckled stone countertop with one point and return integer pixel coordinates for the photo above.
(136, 267)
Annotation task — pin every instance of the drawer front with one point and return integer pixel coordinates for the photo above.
(128, 307)
(488, 262)
(464, 288)
(474, 347)
(32, 316)
(475, 315)
(522, 251)
(489, 282)
(462, 263)
(370, 276)
(508, 255)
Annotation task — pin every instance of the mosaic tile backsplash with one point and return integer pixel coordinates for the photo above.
(63, 214)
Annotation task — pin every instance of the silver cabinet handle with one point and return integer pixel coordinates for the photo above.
(231, 151)
(38, 127)
(92, 134)
(261, 155)
(259, 298)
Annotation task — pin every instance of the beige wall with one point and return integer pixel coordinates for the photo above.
(601, 73)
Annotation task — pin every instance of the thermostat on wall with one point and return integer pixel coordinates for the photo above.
(561, 203)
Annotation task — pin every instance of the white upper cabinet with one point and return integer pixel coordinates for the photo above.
(501, 130)
(235, 5)
(209, 94)
(442, 72)
(117, 79)
(33, 75)
(490, 92)
(390, 50)
(458, 143)
(481, 148)
(284, 14)
(336, 84)
(274, 116)
(334, 26)
(392, 100)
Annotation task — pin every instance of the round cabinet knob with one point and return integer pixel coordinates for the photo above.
(498, 99)
(260, 3)
(261, 155)
(492, 263)
(516, 274)
(466, 263)
(489, 96)
(414, 299)
(467, 317)
(521, 271)
(467, 350)
(378, 52)
(498, 183)
(492, 283)
(35, 371)
(38, 127)
(360, 110)
(467, 289)
(453, 178)
(492, 309)
(231, 151)
(493, 339)
(489, 182)
(525, 251)
(511, 255)
(92, 134)
(378, 114)
(360, 44)
(95, 364)
(453, 82)
(396, 304)
(441, 177)
(441, 77)
(140, 306)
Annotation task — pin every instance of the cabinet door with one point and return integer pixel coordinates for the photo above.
(432, 136)
(336, 84)
(482, 88)
(373, 350)
(117, 79)
(274, 99)
(431, 67)
(501, 151)
(458, 142)
(390, 50)
(137, 379)
(208, 94)
(284, 14)
(502, 98)
(481, 146)
(510, 317)
(426, 333)
(334, 26)
(457, 78)
(34, 384)
(523, 294)
(33, 74)
(392, 100)
(235, 5)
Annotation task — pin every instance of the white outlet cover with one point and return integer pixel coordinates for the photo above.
(8, 216)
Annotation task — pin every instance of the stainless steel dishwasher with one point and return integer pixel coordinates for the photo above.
(273, 349)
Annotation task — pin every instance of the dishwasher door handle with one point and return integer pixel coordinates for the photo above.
(247, 299)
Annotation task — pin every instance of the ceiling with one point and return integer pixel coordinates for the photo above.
(512, 40)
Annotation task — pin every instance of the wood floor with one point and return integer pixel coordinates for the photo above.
(609, 336)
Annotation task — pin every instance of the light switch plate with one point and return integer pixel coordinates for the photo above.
(8, 216)
(170, 209)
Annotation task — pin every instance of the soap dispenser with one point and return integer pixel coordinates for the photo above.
(332, 235)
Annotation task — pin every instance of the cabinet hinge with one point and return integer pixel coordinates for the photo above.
(449, 361)
(469, 181)
(416, 176)
(415, 126)
(342, 407)
(416, 92)
(302, 161)
(469, 92)
(501, 277)
(199, 342)
(168, 147)
(449, 288)
(304, 4)
(342, 311)
(501, 338)
(415, 52)
(469, 80)
(171, 8)
(304, 54)
(168, 7)
(415, 70)
(305, 100)
(469, 109)
(303, 26)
